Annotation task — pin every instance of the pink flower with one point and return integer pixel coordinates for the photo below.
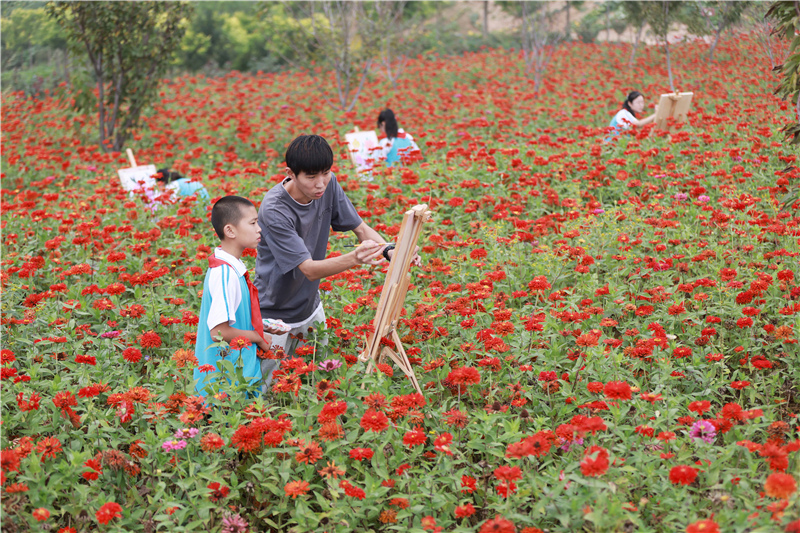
(172, 445)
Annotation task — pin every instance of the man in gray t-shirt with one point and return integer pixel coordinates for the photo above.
(296, 217)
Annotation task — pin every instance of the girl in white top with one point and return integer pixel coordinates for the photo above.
(626, 117)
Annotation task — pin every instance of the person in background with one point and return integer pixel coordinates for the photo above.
(397, 142)
(172, 180)
(626, 117)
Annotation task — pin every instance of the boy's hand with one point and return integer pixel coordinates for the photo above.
(368, 252)
(265, 343)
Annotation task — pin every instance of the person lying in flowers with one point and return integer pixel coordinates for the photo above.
(229, 308)
(296, 217)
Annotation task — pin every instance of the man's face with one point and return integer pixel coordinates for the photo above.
(309, 187)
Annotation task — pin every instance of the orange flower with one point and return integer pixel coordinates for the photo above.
(309, 454)
(296, 488)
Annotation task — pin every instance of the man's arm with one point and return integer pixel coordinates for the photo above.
(367, 253)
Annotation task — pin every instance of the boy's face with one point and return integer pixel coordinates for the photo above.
(247, 231)
(307, 187)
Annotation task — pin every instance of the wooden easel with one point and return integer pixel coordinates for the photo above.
(675, 106)
(393, 296)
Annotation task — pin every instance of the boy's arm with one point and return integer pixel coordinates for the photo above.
(229, 333)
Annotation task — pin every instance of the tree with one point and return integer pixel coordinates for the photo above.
(129, 46)
(787, 18)
(633, 13)
(713, 18)
(539, 41)
(345, 38)
(660, 16)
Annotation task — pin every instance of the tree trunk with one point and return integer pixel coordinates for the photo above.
(485, 19)
(669, 65)
(567, 27)
(608, 24)
(635, 45)
(716, 41)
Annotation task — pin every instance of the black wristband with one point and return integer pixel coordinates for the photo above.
(386, 251)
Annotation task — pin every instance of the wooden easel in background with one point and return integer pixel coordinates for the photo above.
(393, 296)
(675, 106)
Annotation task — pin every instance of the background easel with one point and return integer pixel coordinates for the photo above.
(675, 106)
(130, 177)
(393, 296)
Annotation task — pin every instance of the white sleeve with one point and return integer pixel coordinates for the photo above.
(226, 295)
(626, 118)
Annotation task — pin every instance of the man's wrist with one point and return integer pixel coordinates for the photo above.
(386, 251)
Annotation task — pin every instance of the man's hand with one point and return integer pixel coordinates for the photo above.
(415, 261)
(368, 252)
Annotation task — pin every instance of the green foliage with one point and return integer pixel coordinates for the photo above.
(25, 31)
(787, 18)
(128, 46)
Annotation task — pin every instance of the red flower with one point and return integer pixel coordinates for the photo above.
(468, 484)
(442, 443)
(617, 390)
(464, 511)
(41, 514)
(780, 485)
(48, 447)
(682, 474)
(359, 454)
(703, 526)
(95, 470)
(352, 490)
(414, 438)
(374, 421)
(595, 462)
(464, 376)
(132, 355)
(498, 524)
(700, 407)
(108, 512)
(240, 343)
(149, 339)
(219, 491)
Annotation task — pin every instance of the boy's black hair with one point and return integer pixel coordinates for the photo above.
(633, 95)
(168, 175)
(310, 154)
(228, 210)
(387, 118)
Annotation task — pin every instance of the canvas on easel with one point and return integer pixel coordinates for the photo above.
(393, 297)
(675, 106)
(362, 146)
(130, 178)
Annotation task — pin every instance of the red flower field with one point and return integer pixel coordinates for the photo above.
(605, 334)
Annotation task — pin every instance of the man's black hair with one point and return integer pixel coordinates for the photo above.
(168, 175)
(228, 210)
(633, 95)
(310, 154)
(387, 118)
